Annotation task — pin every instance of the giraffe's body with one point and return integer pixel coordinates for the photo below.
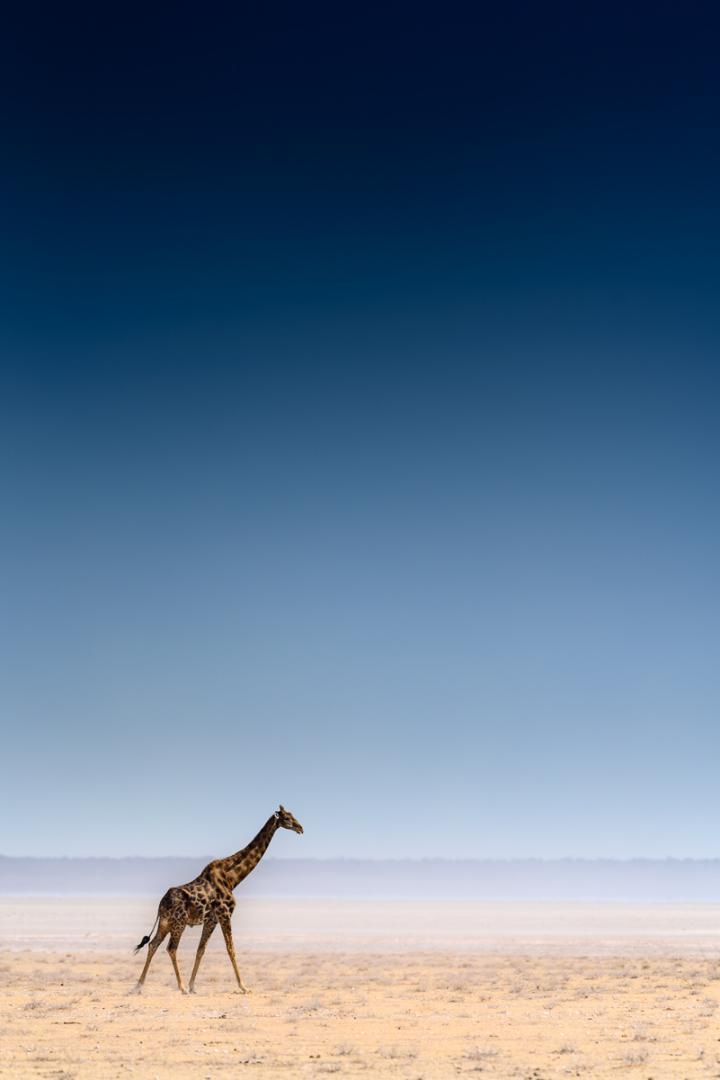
(208, 899)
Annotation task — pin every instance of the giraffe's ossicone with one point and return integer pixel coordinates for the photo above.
(209, 900)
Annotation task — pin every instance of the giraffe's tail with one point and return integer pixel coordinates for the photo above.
(147, 937)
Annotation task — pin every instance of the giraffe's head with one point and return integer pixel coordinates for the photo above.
(286, 820)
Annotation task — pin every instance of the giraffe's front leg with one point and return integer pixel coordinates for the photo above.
(227, 934)
(208, 927)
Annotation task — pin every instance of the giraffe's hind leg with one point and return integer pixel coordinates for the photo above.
(175, 935)
(208, 927)
(162, 932)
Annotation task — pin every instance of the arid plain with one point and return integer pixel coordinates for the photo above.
(378, 989)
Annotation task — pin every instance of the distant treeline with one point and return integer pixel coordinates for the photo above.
(432, 879)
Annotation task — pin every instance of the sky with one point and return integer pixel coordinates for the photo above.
(359, 430)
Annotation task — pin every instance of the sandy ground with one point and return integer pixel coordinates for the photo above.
(553, 998)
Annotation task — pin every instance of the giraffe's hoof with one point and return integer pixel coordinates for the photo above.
(137, 989)
(192, 990)
(184, 991)
(243, 990)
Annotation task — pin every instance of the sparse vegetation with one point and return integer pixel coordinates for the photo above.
(402, 1017)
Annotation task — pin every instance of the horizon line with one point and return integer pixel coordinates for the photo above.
(414, 859)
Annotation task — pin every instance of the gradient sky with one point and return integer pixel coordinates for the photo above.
(359, 430)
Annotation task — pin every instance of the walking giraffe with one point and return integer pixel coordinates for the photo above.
(209, 900)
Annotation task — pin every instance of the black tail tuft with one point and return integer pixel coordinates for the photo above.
(147, 937)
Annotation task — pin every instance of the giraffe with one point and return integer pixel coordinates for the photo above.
(208, 899)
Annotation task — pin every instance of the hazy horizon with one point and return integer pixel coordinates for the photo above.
(600, 880)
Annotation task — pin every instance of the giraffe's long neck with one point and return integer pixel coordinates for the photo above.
(239, 865)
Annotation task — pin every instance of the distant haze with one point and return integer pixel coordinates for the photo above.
(525, 879)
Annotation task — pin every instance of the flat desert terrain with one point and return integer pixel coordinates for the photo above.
(388, 989)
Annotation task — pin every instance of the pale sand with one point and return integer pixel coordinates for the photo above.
(566, 990)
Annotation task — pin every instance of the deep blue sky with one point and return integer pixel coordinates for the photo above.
(359, 435)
